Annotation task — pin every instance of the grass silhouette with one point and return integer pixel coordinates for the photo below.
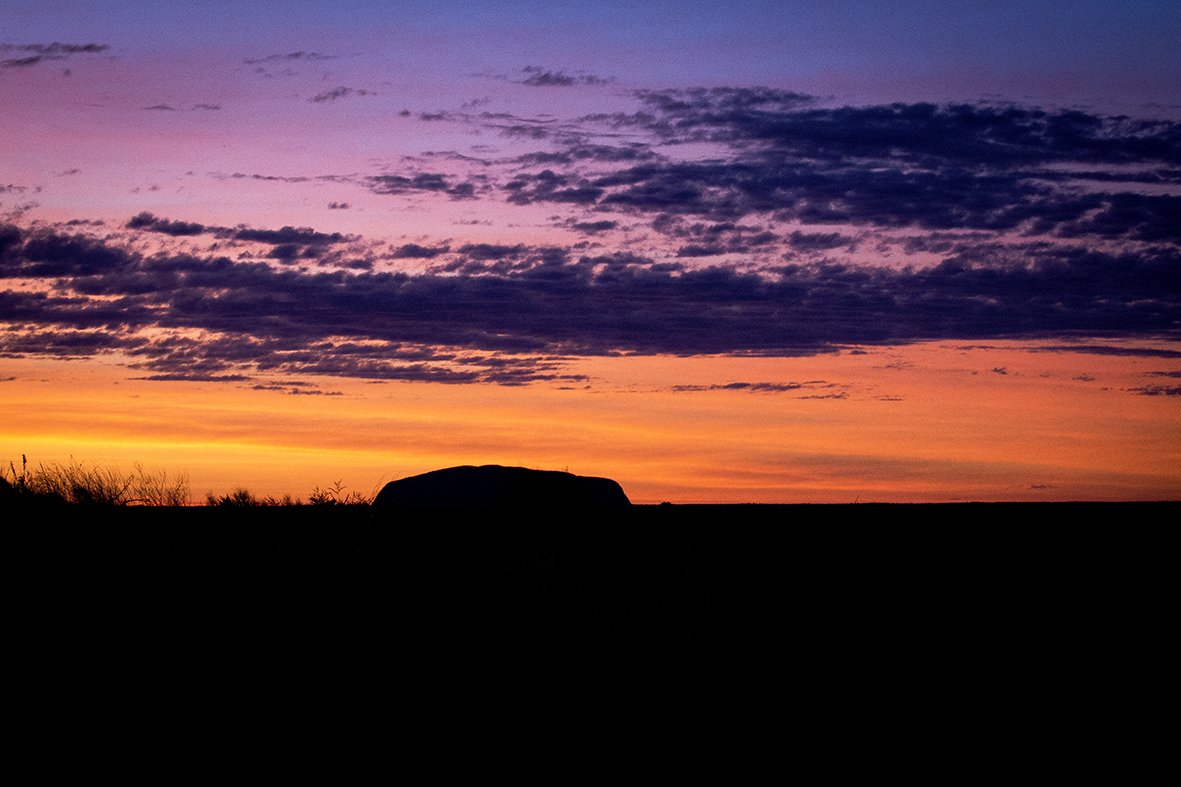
(78, 484)
(334, 495)
(103, 486)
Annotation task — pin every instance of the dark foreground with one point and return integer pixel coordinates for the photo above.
(828, 608)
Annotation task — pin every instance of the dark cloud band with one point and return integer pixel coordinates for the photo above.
(510, 314)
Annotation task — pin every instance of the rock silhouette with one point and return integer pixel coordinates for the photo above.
(494, 485)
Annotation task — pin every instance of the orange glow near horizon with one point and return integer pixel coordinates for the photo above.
(925, 423)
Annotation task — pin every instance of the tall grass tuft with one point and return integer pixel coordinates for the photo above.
(157, 489)
(102, 486)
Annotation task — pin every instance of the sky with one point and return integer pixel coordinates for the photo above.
(756, 252)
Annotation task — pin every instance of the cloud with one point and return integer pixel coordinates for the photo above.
(1020, 223)
(719, 104)
(818, 241)
(592, 227)
(288, 243)
(414, 251)
(540, 77)
(423, 181)
(713, 238)
(577, 150)
(293, 56)
(46, 255)
(510, 314)
(694, 250)
(766, 388)
(943, 199)
(951, 176)
(935, 168)
(338, 93)
(1103, 349)
(546, 186)
(146, 221)
(42, 52)
(491, 251)
(1157, 390)
(196, 378)
(965, 134)
(304, 236)
(295, 391)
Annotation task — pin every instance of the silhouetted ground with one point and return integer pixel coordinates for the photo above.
(836, 612)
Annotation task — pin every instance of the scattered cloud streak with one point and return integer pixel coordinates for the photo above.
(290, 57)
(28, 55)
(542, 77)
(338, 93)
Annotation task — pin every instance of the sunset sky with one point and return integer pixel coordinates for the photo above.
(764, 252)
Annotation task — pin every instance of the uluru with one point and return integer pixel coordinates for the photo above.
(495, 485)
